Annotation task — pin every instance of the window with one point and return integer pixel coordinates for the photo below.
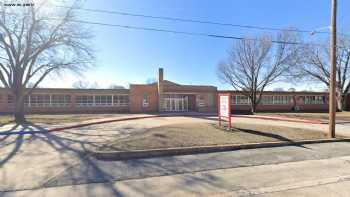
(275, 100)
(10, 99)
(85, 100)
(26, 101)
(145, 100)
(39, 100)
(267, 100)
(103, 100)
(242, 100)
(59, 100)
(120, 100)
(281, 99)
(239, 100)
(314, 99)
(233, 100)
(201, 101)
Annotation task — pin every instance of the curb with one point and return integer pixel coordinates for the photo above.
(138, 154)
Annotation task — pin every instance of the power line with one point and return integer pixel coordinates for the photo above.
(180, 32)
(193, 20)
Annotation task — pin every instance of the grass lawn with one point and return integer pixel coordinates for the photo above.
(55, 119)
(200, 134)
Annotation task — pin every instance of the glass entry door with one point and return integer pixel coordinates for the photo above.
(175, 103)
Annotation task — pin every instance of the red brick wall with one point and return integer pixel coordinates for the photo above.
(136, 96)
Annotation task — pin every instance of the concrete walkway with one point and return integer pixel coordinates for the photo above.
(328, 177)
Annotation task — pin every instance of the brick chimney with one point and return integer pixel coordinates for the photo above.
(160, 88)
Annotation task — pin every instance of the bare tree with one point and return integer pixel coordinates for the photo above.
(116, 87)
(279, 89)
(81, 85)
(315, 67)
(151, 80)
(86, 85)
(254, 64)
(38, 41)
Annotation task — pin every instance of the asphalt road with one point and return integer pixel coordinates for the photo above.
(83, 174)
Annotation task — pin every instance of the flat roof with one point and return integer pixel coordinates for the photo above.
(73, 90)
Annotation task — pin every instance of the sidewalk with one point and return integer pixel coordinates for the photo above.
(313, 177)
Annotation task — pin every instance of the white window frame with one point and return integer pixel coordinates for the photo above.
(101, 98)
(318, 100)
(121, 100)
(237, 100)
(84, 104)
(145, 100)
(64, 100)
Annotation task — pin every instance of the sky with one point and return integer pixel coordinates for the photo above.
(127, 56)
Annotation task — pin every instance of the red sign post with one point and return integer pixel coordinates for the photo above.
(224, 108)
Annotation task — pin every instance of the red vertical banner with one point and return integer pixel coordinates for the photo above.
(224, 108)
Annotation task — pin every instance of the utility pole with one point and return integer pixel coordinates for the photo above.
(332, 76)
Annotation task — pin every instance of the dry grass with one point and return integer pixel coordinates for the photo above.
(55, 119)
(200, 134)
(312, 116)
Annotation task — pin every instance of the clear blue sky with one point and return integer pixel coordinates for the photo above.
(131, 56)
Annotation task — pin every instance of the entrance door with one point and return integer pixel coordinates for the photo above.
(176, 103)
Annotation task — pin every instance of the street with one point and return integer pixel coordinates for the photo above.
(318, 168)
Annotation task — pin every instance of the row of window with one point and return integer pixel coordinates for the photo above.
(277, 100)
(314, 99)
(240, 100)
(101, 100)
(61, 100)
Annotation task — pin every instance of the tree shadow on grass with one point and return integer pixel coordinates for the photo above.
(270, 135)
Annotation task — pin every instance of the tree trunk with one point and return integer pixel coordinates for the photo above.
(341, 103)
(19, 110)
(340, 99)
(252, 108)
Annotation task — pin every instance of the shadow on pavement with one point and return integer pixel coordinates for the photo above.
(13, 140)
